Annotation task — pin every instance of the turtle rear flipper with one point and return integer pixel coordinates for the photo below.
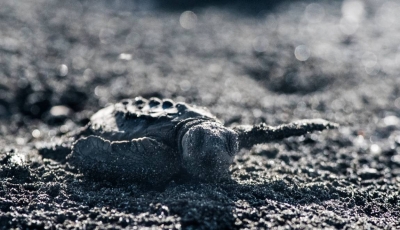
(262, 133)
(139, 160)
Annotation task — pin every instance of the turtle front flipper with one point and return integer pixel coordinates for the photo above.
(262, 133)
(139, 160)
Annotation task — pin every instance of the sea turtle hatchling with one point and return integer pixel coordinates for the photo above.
(151, 141)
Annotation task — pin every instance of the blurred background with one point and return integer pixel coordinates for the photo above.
(249, 61)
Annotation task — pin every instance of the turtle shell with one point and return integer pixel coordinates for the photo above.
(139, 117)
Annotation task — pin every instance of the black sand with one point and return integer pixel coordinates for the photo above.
(239, 61)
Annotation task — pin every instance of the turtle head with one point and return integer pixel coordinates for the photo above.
(208, 150)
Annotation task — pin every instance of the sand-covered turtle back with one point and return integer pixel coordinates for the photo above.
(139, 117)
(152, 141)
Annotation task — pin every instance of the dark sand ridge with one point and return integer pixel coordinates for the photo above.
(293, 60)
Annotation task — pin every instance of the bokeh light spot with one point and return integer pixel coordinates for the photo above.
(352, 14)
(188, 20)
(100, 91)
(375, 149)
(391, 121)
(36, 133)
(185, 85)
(59, 110)
(125, 56)
(260, 44)
(302, 53)
(353, 10)
(62, 70)
(397, 102)
(369, 59)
